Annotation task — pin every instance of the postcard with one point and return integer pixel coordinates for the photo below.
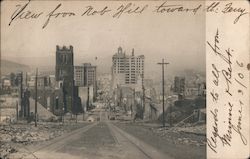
(124, 79)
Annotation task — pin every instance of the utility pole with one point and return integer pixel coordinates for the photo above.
(44, 97)
(170, 117)
(143, 100)
(16, 111)
(21, 94)
(88, 99)
(0, 113)
(26, 80)
(82, 112)
(63, 115)
(131, 107)
(120, 98)
(163, 91)
(72, 98)
(64, 101)
(36, 99)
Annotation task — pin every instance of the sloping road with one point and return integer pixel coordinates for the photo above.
(100, 140)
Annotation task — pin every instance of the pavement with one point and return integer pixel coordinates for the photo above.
(105, 139)
(174, 144)
(99, 140)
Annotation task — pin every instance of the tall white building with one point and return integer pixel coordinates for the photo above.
(127, 69)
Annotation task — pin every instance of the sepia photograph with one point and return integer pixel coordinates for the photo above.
(119, 79)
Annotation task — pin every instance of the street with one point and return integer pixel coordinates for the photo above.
(98, 140)
(103, 139)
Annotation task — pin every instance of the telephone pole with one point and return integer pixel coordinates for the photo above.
(44, 96)
(26, 79)
(21, 94)
(88, 100)
(36, 99)
(143, 100)
(163, 91)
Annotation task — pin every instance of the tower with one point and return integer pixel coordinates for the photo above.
(65, 73)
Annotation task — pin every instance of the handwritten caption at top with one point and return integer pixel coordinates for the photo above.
(24, 12)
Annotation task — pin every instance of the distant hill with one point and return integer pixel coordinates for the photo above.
(9, 66)
(47, 63)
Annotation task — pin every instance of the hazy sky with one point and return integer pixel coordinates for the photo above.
(177, 37)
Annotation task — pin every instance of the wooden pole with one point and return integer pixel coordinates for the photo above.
(16, 111)
(163, 92)
(36, 99)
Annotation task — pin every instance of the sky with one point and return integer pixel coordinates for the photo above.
(179, 38)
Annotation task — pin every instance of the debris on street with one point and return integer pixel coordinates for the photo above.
(188, 134)
(14, 136)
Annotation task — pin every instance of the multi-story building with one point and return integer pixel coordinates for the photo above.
(85, 78)
(127, 69)
(65, 73)
(89, 75)
(85, 75)
(79, 76)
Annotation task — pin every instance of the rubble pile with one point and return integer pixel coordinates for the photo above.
(14, 136)
(5, 150)
(199, 129)
(189, 135)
